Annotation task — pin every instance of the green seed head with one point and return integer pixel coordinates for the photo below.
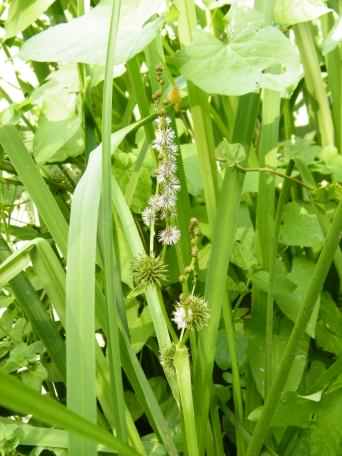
(191, 312)
(149, 270)
(167, 359)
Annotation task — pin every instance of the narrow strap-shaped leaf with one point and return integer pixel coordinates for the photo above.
(18, 397)
(223, 238)
(80, 304)
(183, 374)
(39, 191)
(14, 264)
(111, 270)
(33, 309)
(46, 437)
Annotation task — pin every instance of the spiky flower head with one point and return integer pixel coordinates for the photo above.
(167, 358)
(191, 312)
(149, 270)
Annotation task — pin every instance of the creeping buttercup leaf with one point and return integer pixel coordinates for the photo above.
(329, 326)
(34, 376)
(293, 410)
(290, 12)
(84, 39)
(256, 355)
(304, 149)
(232, 154)
(333, 161)
(328, 193)
(326, 432)
(243, 65)
(299, 227)
(23, 13)
(289, 290)
(222, 357)
(23, 355)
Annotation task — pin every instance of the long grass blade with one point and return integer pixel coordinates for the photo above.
(18, 397)
(80, 305)
(39, 191)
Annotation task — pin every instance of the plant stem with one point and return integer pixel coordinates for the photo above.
(183, 374)
(314, 82)
(237, 396)
(316, 283)
(333, 63)
(276, 173)
(223, 239)
(266, 242)
(199, 106)
(111, 265)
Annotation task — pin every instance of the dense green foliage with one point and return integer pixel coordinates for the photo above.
(170, 227)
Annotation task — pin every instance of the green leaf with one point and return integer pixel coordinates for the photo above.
(233, 154)
(222, 357)
(326, 433)
(244, 251)
(140, 327)
(192, 169)
(334, 37)
(123, 166)
(329, 326)
(22, 355)
(256, 355)
(34, 377)
(18, 397)
(44, 437)
(80, 301)
(289, 290)
(56, 141)
(243, 65)
(303, 149)
(9, 437)
(299, 227)
(59, 134)
(290, 12)
(35, 185)
(84, 39)
(333, 161)
(293, 410)
(14, 264)
(23, 13)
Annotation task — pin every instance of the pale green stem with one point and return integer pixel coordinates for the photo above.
(314, 82)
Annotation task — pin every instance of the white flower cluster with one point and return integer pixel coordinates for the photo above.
(162, 205)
